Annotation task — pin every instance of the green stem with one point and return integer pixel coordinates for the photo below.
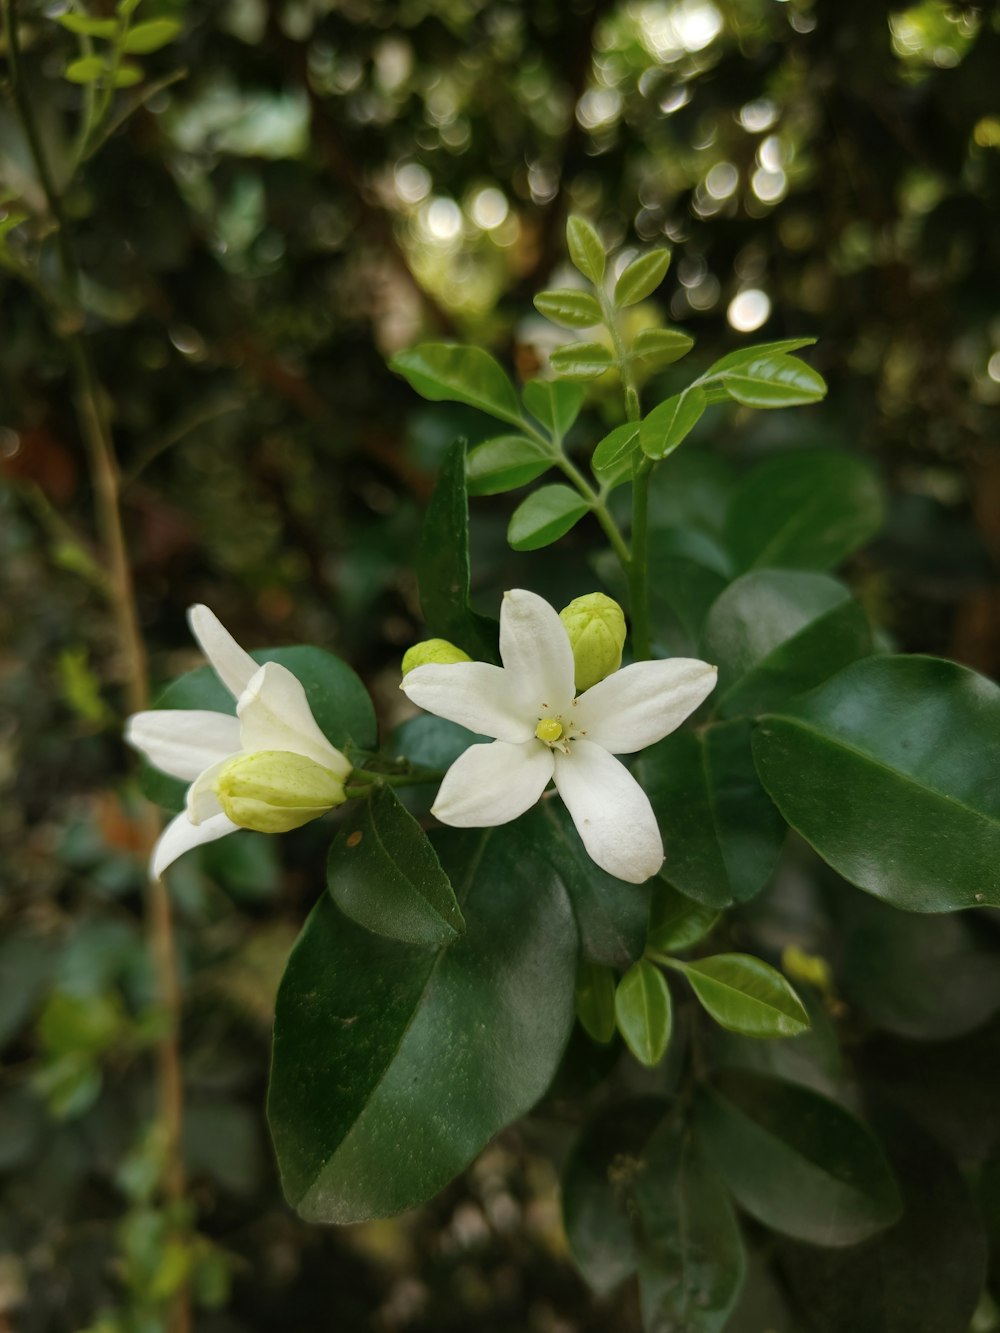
(366, 781)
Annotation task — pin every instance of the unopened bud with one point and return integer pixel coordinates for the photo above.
(596, 628)
(436, 652)
(274, 791)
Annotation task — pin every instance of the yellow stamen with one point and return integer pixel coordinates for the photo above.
(549, 730)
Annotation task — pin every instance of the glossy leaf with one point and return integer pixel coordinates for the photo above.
(555, 403)
(776, 633)
(85, 26)
(655, 348)
(615, 451)
(569, 306)
(744, 356)
(586, 249)
(889, 770)
(150, 36)
(581, 361)
(452, 372)
(775, 381)
(430, 742)
(595, 1001)
(806, 510)
(796, 1161)
(642, 277)
(443, 571)
(668, 425)
(545, 516)
(88, 69)
(721, 831)
(393, 1066)
(746, 995)
(505, 463)
(676, 923)
(384, 874)
(644, 1012)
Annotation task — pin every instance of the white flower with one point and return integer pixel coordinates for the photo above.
(543, 732)
(272, 714)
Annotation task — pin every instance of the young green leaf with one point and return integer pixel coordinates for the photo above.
(88, 69)
(746, 995)
(581, 361)
(544, 517)
(555, 403)
(775, 381)
(644, 1012)
(660, 347)
(595, 1001)
(676, 923)
(615, 450)
(145, 38)
(451, 372)
(385, 875)
(128, 74)
(85, 26)
(567, 305)
(744, 355)
(505, 463)
(668, 425)
(586, 249)
(642, 277)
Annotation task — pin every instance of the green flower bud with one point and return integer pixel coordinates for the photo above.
(596, 628)
(433, 651)
(273, 791)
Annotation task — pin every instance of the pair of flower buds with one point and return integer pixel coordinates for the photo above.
(559, 709)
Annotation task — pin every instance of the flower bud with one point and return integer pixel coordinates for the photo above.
(433, 652)
(273, 791)
(596, 628)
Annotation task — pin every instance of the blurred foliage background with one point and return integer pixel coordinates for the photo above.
(329, 182)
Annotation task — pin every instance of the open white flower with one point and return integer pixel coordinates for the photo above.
(543, 732)
(273, 722)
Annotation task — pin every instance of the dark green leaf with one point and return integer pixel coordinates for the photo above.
(88, 69)
(675, 922)
(586, 248)
(443, 571)
(385, 875)
(555, 403)
(746, 995)
(744, 356)
(807, 510)
(644, 1012)
(85, 26)
(544, 517)
(776, 633)
(504, 463)
(775, 381)
(668, 425)
(595, 1000)
(569, 306)
(660, 347)
(150, 36)
(889, 770)
(721, 832)
(429, 741)
(614, 452)
(581, 361)
(451, 372)
(393, 1066)
(796, 1161)
(642, 277)
(688, 572)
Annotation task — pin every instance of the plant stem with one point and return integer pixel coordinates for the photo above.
(104, 475)
(366, 781)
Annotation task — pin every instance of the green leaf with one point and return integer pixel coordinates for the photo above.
(744, 356)
(595, 1001)
(614, 452)
(85, 26)
(642, 277)
(644, 1012)
(660, 347)
(544, 517)
(668, 425)
(746, 995)
(555, 403)
(88, 69)
(581, 361)
(385, 875)
(443, 570)
(691, 1261)
(145, 38)
(451, 372)
(504, 463)
(128, 74)
(339, 701)
(429, 741)
(775, 381)
(586, 249)
(776, 633)
(393, 1066)
(889, 770)
(569, 306)
(722, 834)
(676, 923)
(807, 510)
(796, 1161)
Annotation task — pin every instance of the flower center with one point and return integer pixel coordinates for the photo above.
(549, 730)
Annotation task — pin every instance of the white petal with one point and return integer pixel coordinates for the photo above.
(274, 714)
(611, 812)
(493, 784)
(232, 665)
(642, 703)
(183, 741)
(484, 698)
(535, 649)
(201, 802)
(181, 835)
